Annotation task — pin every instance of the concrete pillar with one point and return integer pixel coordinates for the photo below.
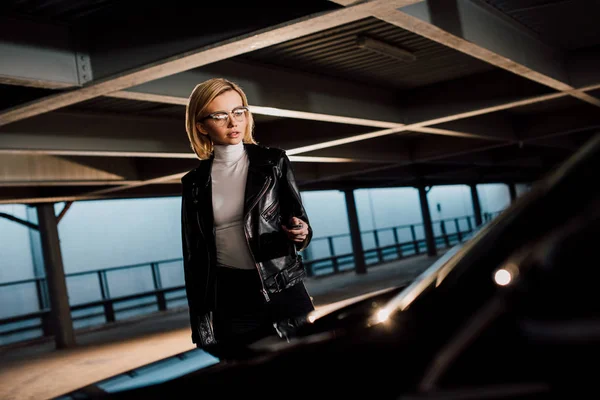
(357, 247)
(476, 204)
(512, 189)
(60, 318)
(38, 269)
(427, 226)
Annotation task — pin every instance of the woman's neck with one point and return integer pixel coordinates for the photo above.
(228, 152)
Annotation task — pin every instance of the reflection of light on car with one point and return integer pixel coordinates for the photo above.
(326, 309)
(502, 277)
(382, 315)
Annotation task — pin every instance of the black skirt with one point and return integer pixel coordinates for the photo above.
(242, 315)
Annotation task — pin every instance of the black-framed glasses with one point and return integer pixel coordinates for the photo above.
(221, 118)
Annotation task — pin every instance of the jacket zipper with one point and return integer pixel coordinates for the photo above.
(271, 210)
(262, 192)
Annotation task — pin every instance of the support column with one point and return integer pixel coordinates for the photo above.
(427, 227)
(512, 190)
(476, 204)
(38, 269)
(60, 313)
(357, 247)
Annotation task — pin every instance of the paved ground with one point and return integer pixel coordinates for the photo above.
(38, 371)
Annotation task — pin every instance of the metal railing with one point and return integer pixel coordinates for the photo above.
(107, 307)
(450, 231)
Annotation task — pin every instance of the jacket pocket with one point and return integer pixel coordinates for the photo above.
(290, 275)
(271, 211)
(297, 271)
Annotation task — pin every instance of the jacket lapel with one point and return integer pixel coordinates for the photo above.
(202, 195)
(259, 175)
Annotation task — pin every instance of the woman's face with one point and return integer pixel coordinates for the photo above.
(229, 121)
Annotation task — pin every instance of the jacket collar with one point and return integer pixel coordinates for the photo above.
(259, 172)
(259, 163)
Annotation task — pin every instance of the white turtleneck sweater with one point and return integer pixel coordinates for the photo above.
(229, 173)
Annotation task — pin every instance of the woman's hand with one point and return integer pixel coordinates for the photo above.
(298, 234)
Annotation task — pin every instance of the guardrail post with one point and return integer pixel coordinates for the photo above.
(334, 260)
(160, 294)
(444, 233)
(109, 311)
(397, 242)
(414, 239)
(378, 250)
(357, 248)
(476, 204)
(43, 304)
(429, 238)
(458, 232)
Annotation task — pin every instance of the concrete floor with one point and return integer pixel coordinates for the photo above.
(38, 371)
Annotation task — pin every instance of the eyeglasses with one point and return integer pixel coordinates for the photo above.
(221, 118)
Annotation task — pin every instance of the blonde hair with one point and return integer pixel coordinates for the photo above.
(199, 99)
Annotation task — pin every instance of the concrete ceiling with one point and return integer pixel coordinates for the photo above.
(93, 93)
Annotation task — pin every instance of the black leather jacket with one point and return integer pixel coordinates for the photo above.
(271, 198)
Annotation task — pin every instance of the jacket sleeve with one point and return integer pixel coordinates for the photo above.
(186, 240)
(291, 201)
(200, 319)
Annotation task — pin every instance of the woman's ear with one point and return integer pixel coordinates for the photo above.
(200, 128)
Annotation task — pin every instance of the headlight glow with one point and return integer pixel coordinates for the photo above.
(503, 277)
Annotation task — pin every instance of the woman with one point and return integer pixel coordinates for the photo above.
(243, 224)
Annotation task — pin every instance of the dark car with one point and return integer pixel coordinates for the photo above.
(513, 313)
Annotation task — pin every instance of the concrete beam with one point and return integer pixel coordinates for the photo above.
(111, 135)
(419, 153)
(36, 195)
(432, 157)
(491, 126)
(139, 36)
(39, 55)
(96, 135)
(279, 92)
(487, 90)
(117, 137)
(423, 113)
(37, 169)
(428, 152)
(484, 33)
(276, 91)
(483, 159)
(201, 56)
(96, 128)
(487, 34)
